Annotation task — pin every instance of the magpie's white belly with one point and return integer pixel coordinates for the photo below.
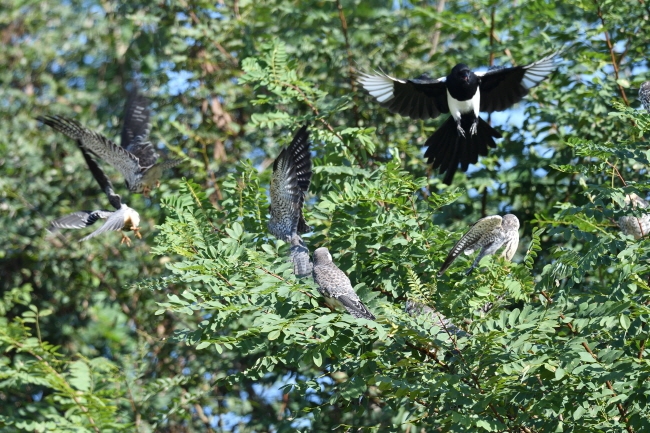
(457, 108)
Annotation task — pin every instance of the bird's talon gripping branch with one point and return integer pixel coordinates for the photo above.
(136, 232)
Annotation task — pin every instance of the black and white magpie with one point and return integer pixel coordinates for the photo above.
(463, 93)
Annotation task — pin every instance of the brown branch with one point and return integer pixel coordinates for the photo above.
(436, 34)
(204, 419)
(320, 119)
(353, 85)
(620, 407)
(611, 51)
(415, 215)
(71, 392)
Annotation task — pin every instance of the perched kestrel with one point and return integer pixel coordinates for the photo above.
(487, 234)
(290, 181)
(302, 265)
(414, 308)
(644, 95)
(123, 218)
(335, 286)
(635, 226)
(136, 159)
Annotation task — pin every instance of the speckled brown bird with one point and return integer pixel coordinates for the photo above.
(336, 287)
(487, 234)
(299, 253)
(635, 226)
(644, 95)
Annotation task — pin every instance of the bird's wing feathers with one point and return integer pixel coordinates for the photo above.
(471, 240)
(114, 222)
(503, 87)
(299, 149)
(136, 127)
(510, 246)
(75, 220)
(419, 98)
(354, 306)
(290, 180)
(101, 178)
(124, 161)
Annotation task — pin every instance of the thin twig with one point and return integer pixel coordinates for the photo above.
(436, 34)
(353, 84)
(611, 51)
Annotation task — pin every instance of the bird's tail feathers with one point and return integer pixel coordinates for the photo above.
(447, 149)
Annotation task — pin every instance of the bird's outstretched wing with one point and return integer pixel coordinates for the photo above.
(418, 98)
(471, 240)
(121, 159)
(114, 222)
(136, 127)
(291, 178)
(299, 149)
(503, 87)
(101, 178)
(77, 220)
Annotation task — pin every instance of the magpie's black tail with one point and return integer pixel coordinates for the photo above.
(447, 148)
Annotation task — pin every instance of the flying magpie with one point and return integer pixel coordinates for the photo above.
(463, 93)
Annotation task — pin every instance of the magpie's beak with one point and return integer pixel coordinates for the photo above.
(465, 76)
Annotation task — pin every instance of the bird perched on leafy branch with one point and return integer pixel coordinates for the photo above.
(487, 234)
(644, 95)
(336, 287)
(463, 93)
(635, 226)
(136, 158)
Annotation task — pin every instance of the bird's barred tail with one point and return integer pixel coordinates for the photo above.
(447, 148)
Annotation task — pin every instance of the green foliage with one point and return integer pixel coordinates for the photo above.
(202, 325)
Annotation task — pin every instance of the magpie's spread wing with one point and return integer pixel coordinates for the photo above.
(503, 87)
(418, 98)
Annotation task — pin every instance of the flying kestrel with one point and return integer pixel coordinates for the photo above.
(290, 181)
(136, 158)
(335, 286)
(123, 218)
(635, 226)
(487, 234)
